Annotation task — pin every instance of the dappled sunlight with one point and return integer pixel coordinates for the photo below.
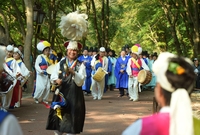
(103, 116)
(109, 116)
(24, 122)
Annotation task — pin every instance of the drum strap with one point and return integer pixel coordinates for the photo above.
(19, 62)
(9, 59)
(136, 63)
(46, 59)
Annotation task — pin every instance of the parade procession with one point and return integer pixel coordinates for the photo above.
(92, 68)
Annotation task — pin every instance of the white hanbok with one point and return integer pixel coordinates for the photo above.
(97, 88)
(42, 88)
(133, 81)
(13, 70)
(78, 78)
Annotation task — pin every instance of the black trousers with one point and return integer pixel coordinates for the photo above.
(121, 91)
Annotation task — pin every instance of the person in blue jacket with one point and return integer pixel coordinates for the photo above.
(86, 60)
(120, 73)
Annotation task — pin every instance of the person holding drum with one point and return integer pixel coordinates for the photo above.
(24, 75)
(135, 64)
(42, 62)
(12, 68)
(8, 122)
(175, 78)
(100, 60)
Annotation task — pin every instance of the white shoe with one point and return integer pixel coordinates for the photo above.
(135, 100)
(36, 101)
(44, 101)
(17, 104)
(99, 98)
(130, 99)
(95, 98)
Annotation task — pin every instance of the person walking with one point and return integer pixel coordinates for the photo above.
(99, 60)
(67, 112)
(24, 75)
(70, 74)
(12, 68)
(135, 64)
(42, 62)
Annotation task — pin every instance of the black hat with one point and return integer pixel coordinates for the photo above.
(126, 46)
(108, 50)
(90, 49)
(123, 49)
(95, 49)
(145, 53)
(155, 54)
(85, 48)
(113, 52)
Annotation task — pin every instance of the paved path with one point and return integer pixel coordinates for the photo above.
(109, 116)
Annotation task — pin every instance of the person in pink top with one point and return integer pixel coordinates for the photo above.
(175, 78)
(135, 64)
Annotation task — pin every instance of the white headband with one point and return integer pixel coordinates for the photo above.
(181, 120)
(160, 67)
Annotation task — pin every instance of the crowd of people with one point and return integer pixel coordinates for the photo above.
(121, 74)
(15, 72)
(121, 71)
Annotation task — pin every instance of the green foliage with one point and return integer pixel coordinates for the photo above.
(130, 22)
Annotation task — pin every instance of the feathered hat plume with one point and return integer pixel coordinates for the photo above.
(74, 26)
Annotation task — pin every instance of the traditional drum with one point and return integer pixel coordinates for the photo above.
(100, 74)
(23, 80)
(6, 81)
(51, 68)
(144, 77)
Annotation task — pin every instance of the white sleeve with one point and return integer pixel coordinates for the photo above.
(15, 67)
(128, 68)
(80, 76)
(105, 64)
(144, 65)
(24, 70)
(55, 74)
(8, 70)
(134, 129)
(10, 126)
(93, 61)
(37, 62)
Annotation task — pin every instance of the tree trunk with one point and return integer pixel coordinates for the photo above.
(172, 18)
(95, 24)
(107, 24)
(6, 42)
(19, 18)
(192, 16)
(28, 40)
(196, 21)
(103, 24)
(52, 23)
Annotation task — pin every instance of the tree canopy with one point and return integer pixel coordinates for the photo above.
(158, 25)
